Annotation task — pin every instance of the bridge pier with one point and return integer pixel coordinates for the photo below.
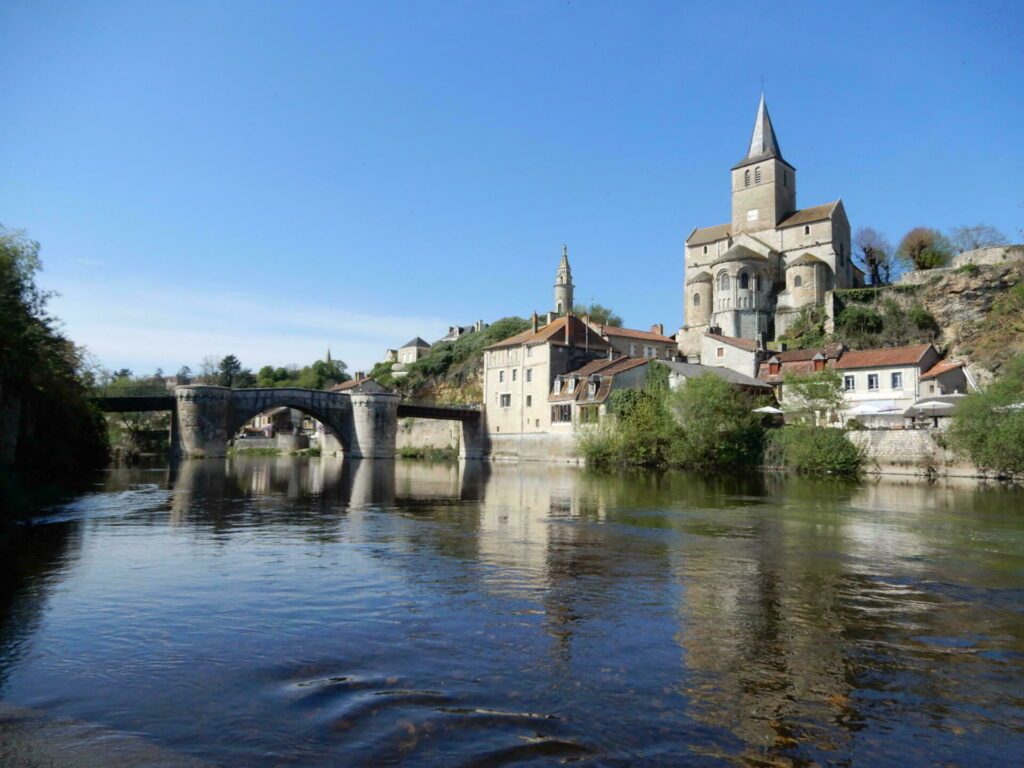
(202, 416)
(374, 425)
(473, 445)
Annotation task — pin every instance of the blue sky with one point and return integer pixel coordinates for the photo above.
(268, 179)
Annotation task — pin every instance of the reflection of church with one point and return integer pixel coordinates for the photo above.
(755, 274)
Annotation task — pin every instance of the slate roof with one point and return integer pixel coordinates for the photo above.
(880, 358)
(606, 370)
(763, 142)
(416, 342)
(693, 370)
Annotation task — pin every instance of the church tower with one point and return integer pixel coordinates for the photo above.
(563, 285)
(763, 184)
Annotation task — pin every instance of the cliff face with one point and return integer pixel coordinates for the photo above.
(980, 311)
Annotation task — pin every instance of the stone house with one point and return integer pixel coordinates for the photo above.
(519, 372)
(628, 342)
(740, 355)
(581, 397)
(776, 365)
(679, 373)
(889, 379)
(756, 273)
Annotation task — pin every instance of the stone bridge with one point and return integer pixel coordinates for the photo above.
(204, 419)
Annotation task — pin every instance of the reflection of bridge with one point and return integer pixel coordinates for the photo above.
(204, 418)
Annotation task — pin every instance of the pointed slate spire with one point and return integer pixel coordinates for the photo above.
(763, 143)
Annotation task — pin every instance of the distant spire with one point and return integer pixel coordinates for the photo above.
(565, 254)
(328, 354)
(763, 143)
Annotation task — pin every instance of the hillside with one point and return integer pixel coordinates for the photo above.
(974, 311)
(450, 371)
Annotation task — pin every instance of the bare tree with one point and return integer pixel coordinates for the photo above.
(209, 370)
(876, 255)
(924, 248)
(978, 236)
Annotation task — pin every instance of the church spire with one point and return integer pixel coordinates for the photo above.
(763, 143)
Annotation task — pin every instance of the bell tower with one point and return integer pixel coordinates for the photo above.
(763, 184)
(563, 285)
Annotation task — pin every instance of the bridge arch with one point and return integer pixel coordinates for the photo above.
(332, 413)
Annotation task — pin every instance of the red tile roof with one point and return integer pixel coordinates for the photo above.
(943, 367)
(631, 333)
(879, 358)
(747, 344)
(580, 334)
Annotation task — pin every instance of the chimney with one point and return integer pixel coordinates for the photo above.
(534, 321)
(658, 328)
(568, 317)
(819, 362)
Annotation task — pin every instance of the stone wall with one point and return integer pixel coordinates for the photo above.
(283, 443)
(428, 433)
(999, 254)
(909, 452)
(560, 449)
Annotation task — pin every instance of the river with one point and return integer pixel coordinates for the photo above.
(311, 612)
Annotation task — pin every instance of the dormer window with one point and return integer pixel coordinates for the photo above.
(746, 178)
(572, 386)
(774, 366)
(757, 174)
(556, 387)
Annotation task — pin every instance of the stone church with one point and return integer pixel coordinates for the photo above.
(753, 275)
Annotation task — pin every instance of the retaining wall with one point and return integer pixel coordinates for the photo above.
(428, 433)
(561, 448)
(909, 452)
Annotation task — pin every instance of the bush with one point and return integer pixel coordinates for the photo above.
(813, 451)
(923, 320)
(988, 428)
(859, 321)
(969, 269)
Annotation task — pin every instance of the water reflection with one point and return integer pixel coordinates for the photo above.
(280, 611)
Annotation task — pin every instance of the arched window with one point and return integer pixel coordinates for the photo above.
(723, 282)
(757, 282)
(746, 178)
(696, 299)
(798, 281)
(744, 281)
(705, 249)
(807, 229)
(757, 174)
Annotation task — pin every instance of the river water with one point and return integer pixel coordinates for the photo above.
(282, 611)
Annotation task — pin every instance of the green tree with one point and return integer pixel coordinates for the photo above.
(812, 450)
(599, 314)
(52, 433)
(988, 427)
(812, 397)
(717, 426)
(924, 248)
(228, 370)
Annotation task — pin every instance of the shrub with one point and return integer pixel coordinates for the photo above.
(969, 269)
(859, 321)
(922, 319)
(716, 426)
(988, 428)
(813, 451)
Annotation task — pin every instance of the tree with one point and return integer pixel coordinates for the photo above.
(875, 255)
(228, 370)
(924, 248)
(979, 236)
(208, 370)
(718, 427)
(599, 314)
(809, 396)
(183, 376)
(988, 427)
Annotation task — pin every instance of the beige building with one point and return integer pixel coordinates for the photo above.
(756, 273)
(582, 397)
(520, 372)
(643, 344)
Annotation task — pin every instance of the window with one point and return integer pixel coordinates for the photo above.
(515, 373)
(744, 281)
(757, 282)
(723, 282)
(757, 174)
(572, 386)
(798, 281)
(501, 377)
(561, 413)
(505, 401)
(705, 250)
(849, 383)
(872, 381)
(556, 386)
(632, 350)
(696, 299)
(588, 414)
(807, 229)
(897, 380)
(529, 351)
(720, 352)
(529, 400)
(592, 389)
(559, 308)
(746, 178)
(529, 375)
